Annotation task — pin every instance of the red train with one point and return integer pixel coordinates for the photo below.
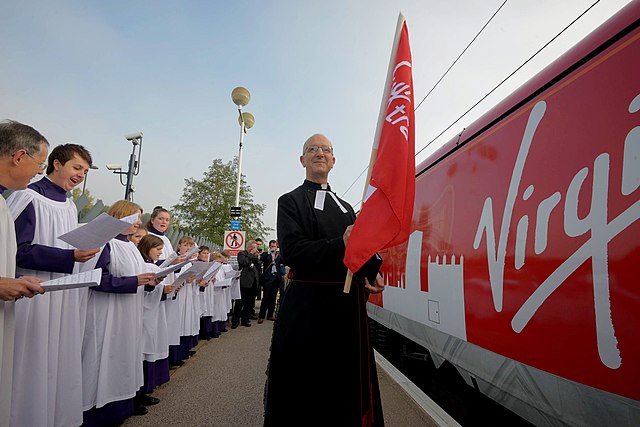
(523, 267)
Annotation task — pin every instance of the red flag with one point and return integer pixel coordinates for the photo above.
(387, 209)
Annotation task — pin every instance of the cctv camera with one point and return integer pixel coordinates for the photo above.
(133, 136)
(114, 166)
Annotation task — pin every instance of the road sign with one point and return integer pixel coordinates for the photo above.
(234, 240)
(236, 212)
(235, 225)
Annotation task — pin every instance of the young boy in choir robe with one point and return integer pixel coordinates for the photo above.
(155, 345)
(189, 307)
(159, 222)
(138, 235)
(207, 329)
(49, 329)
(112, 370)
(221, 292)
(23, 151)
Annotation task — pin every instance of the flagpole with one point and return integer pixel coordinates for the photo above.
(381, 114)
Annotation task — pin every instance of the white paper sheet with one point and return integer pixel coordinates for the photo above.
(215, 266)
(196, 269)
(175, 255)
(72, 281)
(96, 233)
(165, 271)
(231, 274)
(169, 260)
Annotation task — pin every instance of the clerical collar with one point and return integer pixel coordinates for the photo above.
(153, 230)
(49, 189)
(122, 237)
(316, 186)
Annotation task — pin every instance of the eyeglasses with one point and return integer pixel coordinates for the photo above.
(41, 165)
(315, 148)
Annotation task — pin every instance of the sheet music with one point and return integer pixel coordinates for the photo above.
(197, 269)
(96, 233)
(175, 255)
(169, 260)
(231, 274)
(194, 250)
(79, 280)
(165, 271)
(215, 266)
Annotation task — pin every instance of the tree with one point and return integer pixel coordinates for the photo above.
(205, 205)
(76, 193)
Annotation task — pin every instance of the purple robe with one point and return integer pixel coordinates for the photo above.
(40, 257)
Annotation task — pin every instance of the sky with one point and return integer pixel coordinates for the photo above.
(90, 72)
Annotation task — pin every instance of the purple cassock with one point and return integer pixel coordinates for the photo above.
(40, 257)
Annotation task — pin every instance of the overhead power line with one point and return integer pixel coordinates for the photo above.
(492, 90)
(439, 80)
(509, 76)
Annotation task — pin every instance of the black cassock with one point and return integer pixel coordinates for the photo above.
(321, 370)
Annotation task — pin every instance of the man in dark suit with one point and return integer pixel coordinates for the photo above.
(273, 270)
(249, 276)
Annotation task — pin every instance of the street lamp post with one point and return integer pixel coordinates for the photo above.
(134, 165)
(84, 182)
(241, 98)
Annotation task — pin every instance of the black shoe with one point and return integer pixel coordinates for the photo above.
(247, 324)
(234, 325)
(191, 352)
(147, 400)
(178, 363)
(140, 410)
(206, 338)
(271, 318)
(223, 330)
(260, 321)
(254, 316)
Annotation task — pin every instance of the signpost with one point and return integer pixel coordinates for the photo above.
(234, 241)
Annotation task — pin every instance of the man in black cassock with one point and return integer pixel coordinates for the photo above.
(321, 370)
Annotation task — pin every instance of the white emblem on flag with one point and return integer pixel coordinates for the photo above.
(370, 192)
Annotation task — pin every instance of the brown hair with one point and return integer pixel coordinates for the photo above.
(64, 153)
(147, 243)
(156, 211)
(185, 239)
(123, 208)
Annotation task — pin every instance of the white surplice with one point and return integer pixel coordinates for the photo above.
(171, 305)
(207, 301)
(155, 344)
(7, 269)
(219, 307)
(49, 329)
(188, 301)
(112, 347)
(226, 268)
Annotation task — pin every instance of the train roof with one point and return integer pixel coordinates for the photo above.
(611, 30)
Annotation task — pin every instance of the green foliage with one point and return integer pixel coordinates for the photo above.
(204, 206)
(76, 193)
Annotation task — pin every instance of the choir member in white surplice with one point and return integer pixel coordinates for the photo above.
(221, 295)
(49, 329)
(158, 224)
(112, 347)
(207, 328)
(189, 309)
(23, 151)
(155, 344)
